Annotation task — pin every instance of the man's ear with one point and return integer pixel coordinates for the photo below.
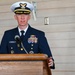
(15, 17)
(29, 16)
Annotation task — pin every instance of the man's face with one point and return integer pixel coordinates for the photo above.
(22, 19)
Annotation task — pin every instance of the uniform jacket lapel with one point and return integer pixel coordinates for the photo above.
(16, 32)
(28, 33)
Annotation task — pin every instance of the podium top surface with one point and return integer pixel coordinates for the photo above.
(19, 57)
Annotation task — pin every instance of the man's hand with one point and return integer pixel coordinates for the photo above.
(50, 62)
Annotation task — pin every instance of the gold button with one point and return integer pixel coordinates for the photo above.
(31, 48)
(11, 47)
(21, 49)
(31, 44)
(18, 45)
(31, 52)
(12, 51)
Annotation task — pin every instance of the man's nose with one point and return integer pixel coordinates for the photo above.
(22, 16)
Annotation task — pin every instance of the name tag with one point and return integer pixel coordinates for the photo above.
(12, 41)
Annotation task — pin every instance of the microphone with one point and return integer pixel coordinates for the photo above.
(19, 42)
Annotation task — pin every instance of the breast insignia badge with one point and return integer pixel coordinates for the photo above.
(32, 39)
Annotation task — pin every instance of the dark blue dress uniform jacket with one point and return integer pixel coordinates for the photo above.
(9, 45)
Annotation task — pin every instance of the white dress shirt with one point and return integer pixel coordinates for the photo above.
(21, 30)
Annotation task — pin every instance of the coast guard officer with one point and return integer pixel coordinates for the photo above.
(24, 38)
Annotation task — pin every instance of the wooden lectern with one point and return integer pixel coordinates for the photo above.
(24, 64)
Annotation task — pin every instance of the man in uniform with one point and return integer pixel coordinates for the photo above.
(24, 39)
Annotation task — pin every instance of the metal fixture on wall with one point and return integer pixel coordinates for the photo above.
(46, 20)
(34, 11)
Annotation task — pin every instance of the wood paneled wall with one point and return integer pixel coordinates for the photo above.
(60, 32)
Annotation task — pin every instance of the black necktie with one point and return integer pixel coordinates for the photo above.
(22, 35)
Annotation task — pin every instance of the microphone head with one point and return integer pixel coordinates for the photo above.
(17, 38)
